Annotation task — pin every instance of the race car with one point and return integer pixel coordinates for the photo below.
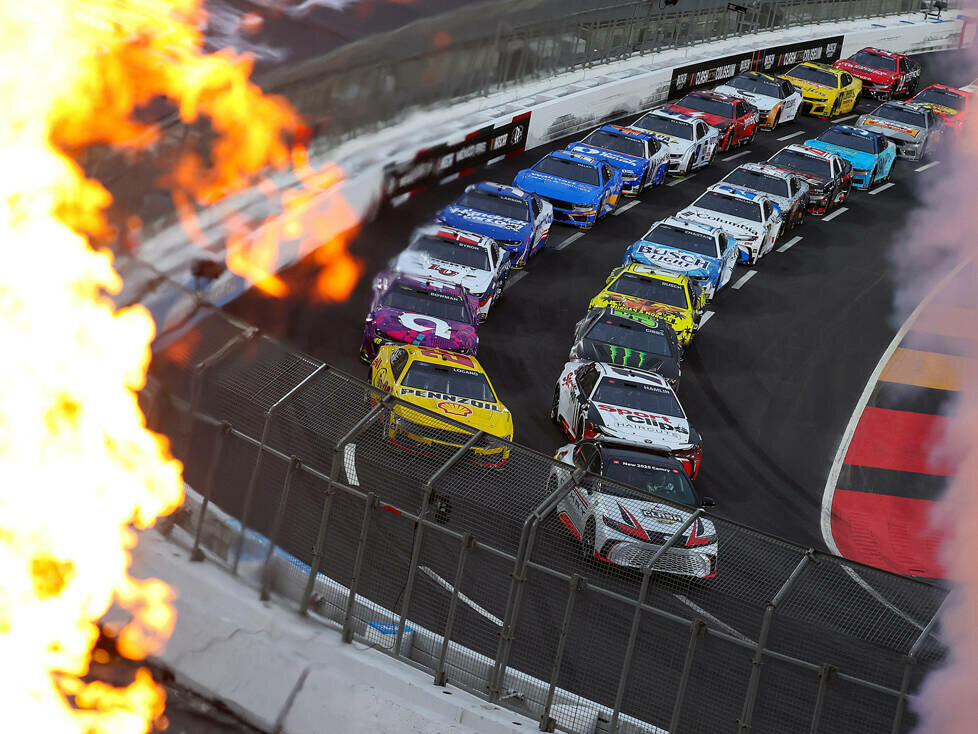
(691, 142)
(424, 312)
(871, 155)
(517, 220)
(734, 118)
(752, 220)
(624, 404)
(884, 74)
(950, 103)
(467, 259)
(775, 99)
(627, 526)
(702, 252)
(669, 297)
(788, 191)
(914, 130)
(628, 339)
(643, 160)
(581, 188)
(825, 91)
(445, 383)
(829, 175)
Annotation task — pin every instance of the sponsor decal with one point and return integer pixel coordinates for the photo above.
(456, 410)
(606, 153)
(454, 357)
(459, 401)
(441, 270)
(673, 258)
(895, 126)
(663, 423)
(420, 323)
(656, 513)
(626, 354)
(496, 220)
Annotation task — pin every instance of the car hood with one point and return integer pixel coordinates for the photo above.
(673, 259)
(677, 317)
(939, 109)
(711, 119)
(675, 145)
(596, 351)
(859, 160)
(762, 102)
(626, 162)
(648, 520)
(402, 326)
(639, 426)
(493, 418)
(472, 279)
(491, 225)
(814, 86)
(731, 225)
(867, 73)
(559, 188)
(891, 129)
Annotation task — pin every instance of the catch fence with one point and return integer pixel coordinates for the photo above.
(310, 489)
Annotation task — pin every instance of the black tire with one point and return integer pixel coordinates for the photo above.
(587, 542)
(856, 101)
(835, 108)
(912, 89)
(713, 157)
(554, 405)
(579, 432)
(747, 141)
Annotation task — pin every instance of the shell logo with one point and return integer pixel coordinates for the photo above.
(454, 409)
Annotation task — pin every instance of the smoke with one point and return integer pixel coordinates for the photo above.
(943, 238)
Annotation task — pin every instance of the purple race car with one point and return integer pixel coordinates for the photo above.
(423, 312)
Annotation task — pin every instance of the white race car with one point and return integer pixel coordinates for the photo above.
(470, 260)
(788, 191)
(746, 216)
(692, 143)
(620, 403)
(625, 526)
(774, 98)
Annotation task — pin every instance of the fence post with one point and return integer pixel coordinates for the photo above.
(626, 666)
(518, 576)
(577, 583)
(419, 532)
(909, 663)
(696, 629)
(266, 575)
(757, 660)
(825, 674)
(468, 542)
(256, 469)
(196, 554)
(334, 470)
(368, 506)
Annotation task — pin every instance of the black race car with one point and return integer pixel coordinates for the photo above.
(829, 175)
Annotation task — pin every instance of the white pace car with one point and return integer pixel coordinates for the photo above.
(626, 526)
(746, 216)
(624, 404)
(692, 143)
(476, 263)
(775, 99)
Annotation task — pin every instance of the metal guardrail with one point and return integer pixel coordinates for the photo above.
(784, 639)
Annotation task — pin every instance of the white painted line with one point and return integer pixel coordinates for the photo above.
(789, 136)
(707, 315)
(927, 165)
(847, 117)
(882, 188)
(743, 279)
(736, 155)
(514, 279)
(677, 181)
(718, 622)
(790, 243)
(494, 161)
(461, 597)
(350, 464)
(629, 205)
(449, 178)
(570, 240)
(837, 212)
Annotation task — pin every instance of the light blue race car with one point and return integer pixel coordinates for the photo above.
(702, 252)
(870, 153)
(581, 188)
(643, 160)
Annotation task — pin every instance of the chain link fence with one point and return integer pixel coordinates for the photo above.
(368, 515)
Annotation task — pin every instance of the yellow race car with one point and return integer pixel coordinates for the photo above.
(445, 383)
(825, 91)
(667, 296)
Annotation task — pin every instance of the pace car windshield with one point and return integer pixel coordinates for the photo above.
(572, 170)
(942, 97)
(682, 239)
(758, 181)
(707, 105)
(650, 289)
(456, 253)
(419, 300)
(815, 76)
(449, 381)
(504, 206)
(638, 396)
(874, 60)
(659, 481)
(795, 161)
(617, 143)
(903, 115)
(852, 141)
(641, 338)
(732, 205)
(665, 126)
(756, 86)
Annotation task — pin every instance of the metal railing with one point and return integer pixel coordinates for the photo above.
(342, 499)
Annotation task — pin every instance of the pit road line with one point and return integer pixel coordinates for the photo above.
(623, 209)
(718, 622)
(707, 315)
(736, 155)
(843, 119)
(677, 181)
(792, 135)
(514, 279)
(836, 213)
(570, 240)
(743, 279)
(461, 597)
(920, 169)
(790, 243)
(882, 188)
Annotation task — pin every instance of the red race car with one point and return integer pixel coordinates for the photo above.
(733, 117)
(884, 74)
(948, 102)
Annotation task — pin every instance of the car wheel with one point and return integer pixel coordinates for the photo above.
(835, 108)
(579, 432)
(555, 406)
(587, 542)
(713, 156)
(856, 101)
(911, 89)
(750, 139)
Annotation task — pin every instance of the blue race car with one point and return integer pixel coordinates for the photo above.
(581, 188)
(700, 251)
(643, 160)
(516, 219)
(870, 153)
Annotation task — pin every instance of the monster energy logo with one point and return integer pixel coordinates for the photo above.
(626, 355)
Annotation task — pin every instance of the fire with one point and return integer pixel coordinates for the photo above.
(78, 467)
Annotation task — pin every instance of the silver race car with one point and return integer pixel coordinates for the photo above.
(914, 130)
(788, 191)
